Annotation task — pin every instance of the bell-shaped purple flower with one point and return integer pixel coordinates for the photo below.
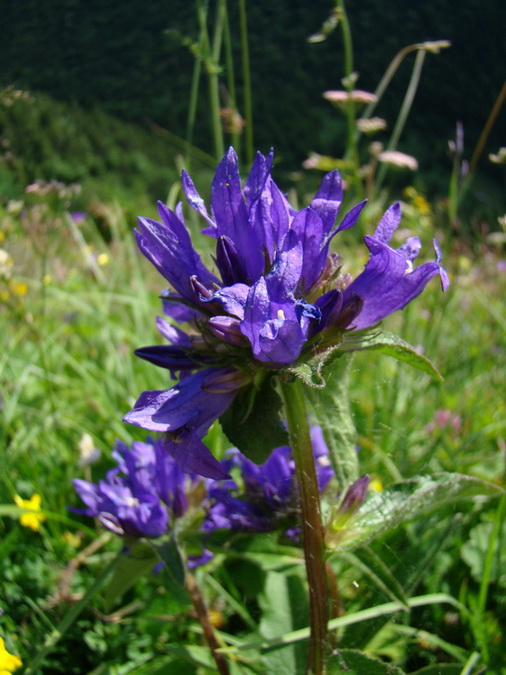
(141, 494)
(276, 290)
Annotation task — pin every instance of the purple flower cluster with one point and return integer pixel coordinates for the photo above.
(138, 494)
(264, 497)
(277, 293)
(147, 490)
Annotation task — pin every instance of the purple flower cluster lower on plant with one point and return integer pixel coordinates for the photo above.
(140, 494)
(277, 293)
(264, 497)
(146, 491)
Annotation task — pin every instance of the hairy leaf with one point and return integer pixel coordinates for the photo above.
(404, 501)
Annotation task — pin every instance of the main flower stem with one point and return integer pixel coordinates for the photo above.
(312, 529)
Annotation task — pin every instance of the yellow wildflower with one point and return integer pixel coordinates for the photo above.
(103, 259)
(31, 520)
(376, 485)
(420, 203)
(18, 288)
(8, 662)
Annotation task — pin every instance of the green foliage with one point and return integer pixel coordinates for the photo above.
(110, 159)
(253, 423)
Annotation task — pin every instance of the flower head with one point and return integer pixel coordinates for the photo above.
(276, 290)
(139, 494)
(33, 519)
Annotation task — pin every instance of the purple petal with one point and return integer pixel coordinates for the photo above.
(230, 213)
(260, 172)
(328, 199)
(192, 456)
(272, 328)
(388, 224)
(386, 284)
(174, 335)
(171, 252)
(185, 405)
(195, 200)
(232, 299)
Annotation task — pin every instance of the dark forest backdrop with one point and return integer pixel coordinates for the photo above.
(120, 57)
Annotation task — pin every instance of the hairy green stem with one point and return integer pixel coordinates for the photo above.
(312, 529)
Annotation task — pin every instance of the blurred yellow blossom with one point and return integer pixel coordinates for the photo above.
(2, 236)
(8, 662)
(420, 203)
(31, 520)
(376, 485)
(18, 288)
(103, 259)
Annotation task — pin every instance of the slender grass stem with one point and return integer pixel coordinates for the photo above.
(350, 105)
(312, 529)
(486, 577)
(404, 112)
(246, 76)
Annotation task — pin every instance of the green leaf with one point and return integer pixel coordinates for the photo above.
(331, 410)
(172, 574)
(138, 561)
(474, 553)
(441, 669)
(253, 423)
(284, 605)
(354, 662)
(395, 346)
(404, 501)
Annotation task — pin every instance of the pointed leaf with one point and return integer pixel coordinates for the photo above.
(172, 573)
(395, 346)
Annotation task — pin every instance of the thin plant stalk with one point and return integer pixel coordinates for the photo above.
(213, 70)
(246, 77)
(348, 83)
(229, 70)
(312, 528)
(386, 79)
(404, 112)
(212, 74)
(487, 129)
(192, 108)
(203, 618)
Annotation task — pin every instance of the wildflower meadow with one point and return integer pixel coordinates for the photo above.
(252, 402)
